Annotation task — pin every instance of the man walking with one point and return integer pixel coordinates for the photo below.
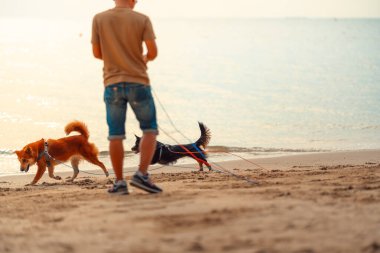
(118, 36)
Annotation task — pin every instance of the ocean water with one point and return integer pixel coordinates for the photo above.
(263, 86)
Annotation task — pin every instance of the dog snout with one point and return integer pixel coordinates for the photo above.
(22, 169)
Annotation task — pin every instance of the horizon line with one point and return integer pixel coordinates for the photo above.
(212, 17)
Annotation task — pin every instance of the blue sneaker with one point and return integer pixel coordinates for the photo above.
(143, 182)
(119, 187)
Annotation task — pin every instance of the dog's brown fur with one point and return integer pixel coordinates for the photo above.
(74, 148)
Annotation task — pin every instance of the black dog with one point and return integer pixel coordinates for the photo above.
(167, 154)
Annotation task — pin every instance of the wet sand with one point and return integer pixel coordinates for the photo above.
(324, 202)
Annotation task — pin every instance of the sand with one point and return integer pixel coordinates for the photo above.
(325, 202)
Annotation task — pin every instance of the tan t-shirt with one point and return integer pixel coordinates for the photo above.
(120, 32)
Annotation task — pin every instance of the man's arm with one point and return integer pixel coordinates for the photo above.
(152, 50)
(97, 51)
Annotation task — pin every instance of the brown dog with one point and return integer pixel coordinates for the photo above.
(51, 152)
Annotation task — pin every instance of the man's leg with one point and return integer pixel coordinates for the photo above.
(116, 110)
(117, 157)
(147, 149)
(141, 179)
(142, 103)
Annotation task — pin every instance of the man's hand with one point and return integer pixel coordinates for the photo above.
(151, 51)
(97, 52)
(145, 59)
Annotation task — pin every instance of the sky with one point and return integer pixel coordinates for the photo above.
(74, 9)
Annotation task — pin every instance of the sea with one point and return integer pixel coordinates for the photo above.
(264, 87)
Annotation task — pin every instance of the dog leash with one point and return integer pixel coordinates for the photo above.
(223, 170)
(184, 148)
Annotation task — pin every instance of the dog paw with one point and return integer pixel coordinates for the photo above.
(69, 179)
(31, 184)
(57, 178)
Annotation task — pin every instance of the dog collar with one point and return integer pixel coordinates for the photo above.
(45, 153)
(160, 153)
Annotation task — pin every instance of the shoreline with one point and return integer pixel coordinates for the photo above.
(324, 202)
(280, 161)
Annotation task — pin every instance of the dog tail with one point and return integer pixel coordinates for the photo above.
(205, 135)
(79, 127)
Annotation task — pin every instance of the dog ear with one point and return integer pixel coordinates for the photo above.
(28, 150)
(18, 153)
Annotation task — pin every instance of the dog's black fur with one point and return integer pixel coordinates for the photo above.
(168, 154)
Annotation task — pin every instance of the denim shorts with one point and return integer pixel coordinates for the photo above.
(139, 97)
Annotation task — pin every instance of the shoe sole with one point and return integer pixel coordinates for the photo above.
(120, 192)
(143, 187)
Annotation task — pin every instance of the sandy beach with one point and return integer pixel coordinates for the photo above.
(323, 202)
